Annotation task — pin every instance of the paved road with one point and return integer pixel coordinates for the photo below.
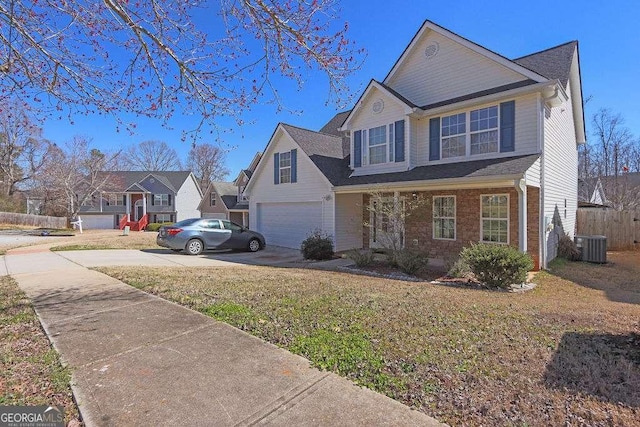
(140, 360)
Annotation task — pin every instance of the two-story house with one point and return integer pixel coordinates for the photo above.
(136, 198)
(489, 142)
(227, 200)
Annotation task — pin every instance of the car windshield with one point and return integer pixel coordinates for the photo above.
(186, 222)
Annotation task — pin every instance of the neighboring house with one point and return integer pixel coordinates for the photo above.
(226, 200)
(135, 198)
(490, 142)
(620, 192)
(590, 193)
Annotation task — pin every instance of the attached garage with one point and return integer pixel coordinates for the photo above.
(288, 224)
(98, 222)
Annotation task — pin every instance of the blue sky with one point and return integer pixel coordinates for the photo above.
(609, 59)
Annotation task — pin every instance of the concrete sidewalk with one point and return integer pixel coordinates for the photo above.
(140, 360)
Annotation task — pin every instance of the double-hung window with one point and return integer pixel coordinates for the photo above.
(454, 135)
(115, 200)
(495, 218)
(378, 145)
(444, 217)
(212, 199)
(483, 125)
(161, 200)
(285, 167)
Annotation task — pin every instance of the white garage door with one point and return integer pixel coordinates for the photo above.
(94, 222)
(214, 215)
(288, 224)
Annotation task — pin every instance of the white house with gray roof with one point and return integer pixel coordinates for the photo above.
(136, 198)
(490, 143)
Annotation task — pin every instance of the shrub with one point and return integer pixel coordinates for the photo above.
(155, 226)
(497, 265)
(318, 246)
(459, 269)
(362, 258)
(410, 262)
(567, 249)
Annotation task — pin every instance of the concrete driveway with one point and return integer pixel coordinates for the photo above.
(270, 256)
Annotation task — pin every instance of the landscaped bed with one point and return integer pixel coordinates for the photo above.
(30, 370)
(562, 354)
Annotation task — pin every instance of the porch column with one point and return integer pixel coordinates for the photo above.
(521, 188)
(144, 204)
(101, 194)
(128, 207)
(244, 219)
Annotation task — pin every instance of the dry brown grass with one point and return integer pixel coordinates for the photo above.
(566, 353)
(109, 239)
(30, 370)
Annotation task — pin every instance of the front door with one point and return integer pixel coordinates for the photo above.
(386, 219)
(139, 210)
(214, 234)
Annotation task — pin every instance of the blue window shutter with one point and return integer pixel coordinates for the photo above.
(153, 200)
(357, 148)
(434, 139)
(276, 168)
(507, 126)
(169, 197)
(399, 142)
(124, 200)
(294, 165)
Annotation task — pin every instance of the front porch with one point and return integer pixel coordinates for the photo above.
(136, 216)
(441, 222)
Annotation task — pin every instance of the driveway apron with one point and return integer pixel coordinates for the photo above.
(137, 359)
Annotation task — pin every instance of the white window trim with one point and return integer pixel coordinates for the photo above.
(212, 199)
(116, 197)
(390, 147)
(508, 218)
(497, 128)
(455, 215)
(468, 133)
(281, 168)
(161, 199)
(385, 144)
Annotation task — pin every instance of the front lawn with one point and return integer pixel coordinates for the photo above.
(30, 369)
(109, 239)
(562, 354)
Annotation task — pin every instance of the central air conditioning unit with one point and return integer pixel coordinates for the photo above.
(592, 248)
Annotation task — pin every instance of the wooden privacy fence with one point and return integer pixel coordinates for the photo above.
(33, 220)
(622, 228)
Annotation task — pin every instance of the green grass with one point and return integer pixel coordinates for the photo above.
(30, 369)
(466, 356)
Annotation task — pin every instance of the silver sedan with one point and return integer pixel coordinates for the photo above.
(196, 235)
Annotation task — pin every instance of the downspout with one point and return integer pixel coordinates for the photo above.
(542, 229)
(521, 188)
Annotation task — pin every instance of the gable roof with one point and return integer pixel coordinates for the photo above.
(316, 143)
(123, 180)
(496, 57)
(227, 191)
(332, 126)
(374, 84)
(553, 63)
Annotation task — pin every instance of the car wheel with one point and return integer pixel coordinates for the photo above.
(176, 250)
(254, 245)
(194, 247)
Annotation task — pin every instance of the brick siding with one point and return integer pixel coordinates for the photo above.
(419, 227)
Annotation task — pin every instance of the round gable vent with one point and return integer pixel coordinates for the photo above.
(152, 180)
(432, 50)
(378, 106)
